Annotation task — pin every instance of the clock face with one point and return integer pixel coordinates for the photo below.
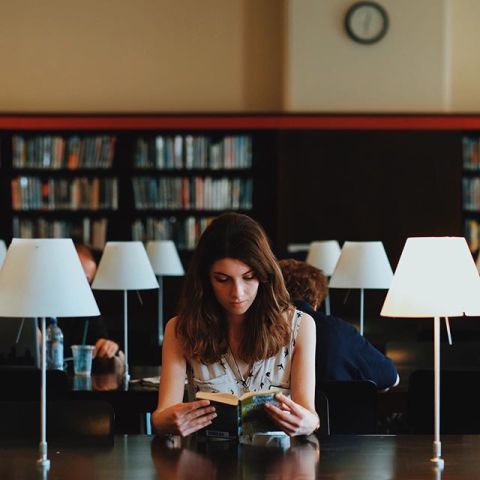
(366, 22)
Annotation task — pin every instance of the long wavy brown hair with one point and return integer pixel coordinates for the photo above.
(201, 324)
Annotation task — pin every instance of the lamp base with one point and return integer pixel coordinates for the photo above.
(43, 463)
(439, 462)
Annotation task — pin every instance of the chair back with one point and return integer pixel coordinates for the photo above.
(321, 407)
(19, 342)
(67, 420)
(459, 402)
(352, 406)
(24, 383)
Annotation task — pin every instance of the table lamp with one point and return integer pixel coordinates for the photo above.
(323, 254)
(423, 287)
(165, 261)
(44, 278)
(124, 266)
(362, 265)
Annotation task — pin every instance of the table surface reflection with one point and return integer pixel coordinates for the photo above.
(335, 457)
(129, 402)
(110, 381)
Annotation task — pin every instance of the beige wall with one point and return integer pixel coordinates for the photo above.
(143, 55)
(227, 55)
(465, 62)
(327, 71)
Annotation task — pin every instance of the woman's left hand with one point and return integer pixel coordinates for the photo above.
(291, 417)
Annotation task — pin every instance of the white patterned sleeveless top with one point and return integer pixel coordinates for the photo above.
(223, 376)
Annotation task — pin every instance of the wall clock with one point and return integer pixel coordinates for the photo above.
(366, 22)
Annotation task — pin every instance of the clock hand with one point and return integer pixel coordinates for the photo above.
(366, 24)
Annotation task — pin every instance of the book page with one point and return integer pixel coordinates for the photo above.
(260, 392)
(227, 398)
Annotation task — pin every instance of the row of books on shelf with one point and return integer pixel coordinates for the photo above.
(56, 152)
(194, 152)
(471, 153)
(471, 193)
(194, 192)
(33, 193)
(472, 234)
(184, 232)
(85, 230)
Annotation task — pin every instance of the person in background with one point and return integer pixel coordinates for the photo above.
(235, 332)
(74, 328)
(342, 353)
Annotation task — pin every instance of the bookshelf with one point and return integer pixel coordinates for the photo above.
(121, 177)
(471, 189)
(314, 176)
(181, 181)
(384, 173)
(99, 178)
(61, 185)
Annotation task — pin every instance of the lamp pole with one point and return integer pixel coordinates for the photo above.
(437, 445)
(126, 374)
(327, 302)
(362, 301)
(160, 310)
(43, 460)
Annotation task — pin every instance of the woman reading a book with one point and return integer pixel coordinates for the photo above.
(236, 332)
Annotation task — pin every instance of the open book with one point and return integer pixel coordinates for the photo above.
(237, 416)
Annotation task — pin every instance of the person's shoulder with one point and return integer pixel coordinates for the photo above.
(172, 338)
(171, 328)
(303, 315)
(295, 315)
(339, 324)
(307, 323)
(335, 331)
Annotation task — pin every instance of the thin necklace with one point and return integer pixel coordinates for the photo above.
(240, 376)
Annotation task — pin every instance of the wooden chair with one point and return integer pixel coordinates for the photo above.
(67, 420)
(459, 402)
(23, 383)
(352, 406)
(321, 406)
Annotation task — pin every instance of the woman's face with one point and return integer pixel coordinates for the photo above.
(235, 286)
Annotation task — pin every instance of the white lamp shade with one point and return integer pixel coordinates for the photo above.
(164, 258)
(124, 266)
(3, 251)
(324, 255)
(362, 265)
(44, 278)
(435, 277)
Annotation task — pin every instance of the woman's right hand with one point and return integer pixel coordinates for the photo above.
(183, 418)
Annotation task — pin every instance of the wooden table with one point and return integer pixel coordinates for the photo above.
(336, 457)
(129, 404)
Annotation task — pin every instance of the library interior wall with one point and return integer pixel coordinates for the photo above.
(465, 67)
(405, 71)
(217, 55)
(148, 55)
(426, 63)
